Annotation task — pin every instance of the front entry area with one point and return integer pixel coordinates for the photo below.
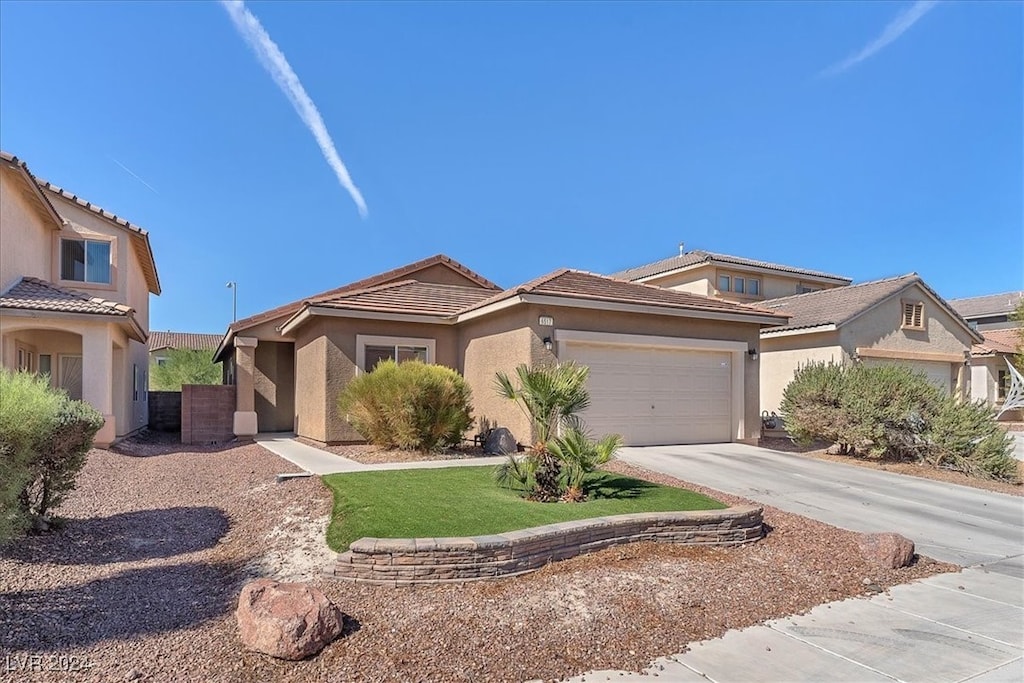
(654, 394)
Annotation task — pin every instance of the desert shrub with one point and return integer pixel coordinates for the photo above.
(811, 403)
(890, 411)
(885, 410)
(44, 437)
(964, 436)
(409, 406)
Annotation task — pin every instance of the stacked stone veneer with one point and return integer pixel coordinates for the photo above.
(408, 561)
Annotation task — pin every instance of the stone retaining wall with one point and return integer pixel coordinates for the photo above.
(408, 561)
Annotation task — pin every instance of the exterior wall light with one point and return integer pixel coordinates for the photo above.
(547, 343)
(752, 353)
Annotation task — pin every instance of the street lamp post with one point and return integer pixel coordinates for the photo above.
(233, 286)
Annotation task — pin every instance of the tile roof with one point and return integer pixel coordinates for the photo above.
(34, 191)
(835, 306)
(998, 341)
(183, 340)
(988, 305)
(575, 284)
(692, 258)
(33, 294)
(409, 297)
(293, 307)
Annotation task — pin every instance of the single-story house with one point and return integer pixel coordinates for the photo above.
(162, 342)
(733, 278)
(990, 376)
(896, 320)
(75, 282)
(666, 366)
(989, 312)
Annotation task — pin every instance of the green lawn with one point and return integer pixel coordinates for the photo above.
(465, 501)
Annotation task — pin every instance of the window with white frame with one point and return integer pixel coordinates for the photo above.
(750, 286)
(26, 359)
(83, 260)
(371, 350)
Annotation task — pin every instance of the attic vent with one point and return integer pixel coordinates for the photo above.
(913, 315)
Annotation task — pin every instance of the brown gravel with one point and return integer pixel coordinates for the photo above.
(371, 455)
(142, 584)
(914, 469)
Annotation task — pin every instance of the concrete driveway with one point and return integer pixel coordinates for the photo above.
(953, 523)
(951, 627)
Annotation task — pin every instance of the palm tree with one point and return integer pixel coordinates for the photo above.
(552, 396)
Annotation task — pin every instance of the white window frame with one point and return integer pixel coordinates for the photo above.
(364, 340)
(110, 242)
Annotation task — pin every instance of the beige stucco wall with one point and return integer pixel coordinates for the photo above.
(781, 357)
(24, 236)
(323, 369)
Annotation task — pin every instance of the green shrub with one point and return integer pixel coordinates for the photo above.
(184, 366)
(965, 437)
(890, 411)
(44, 437)
(409, 406)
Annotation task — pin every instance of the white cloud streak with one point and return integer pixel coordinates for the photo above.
(273, 60)
(896, 28)
(133, 174)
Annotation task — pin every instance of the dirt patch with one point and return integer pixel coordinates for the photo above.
(914, 469)
(372, 455)
(143, 582)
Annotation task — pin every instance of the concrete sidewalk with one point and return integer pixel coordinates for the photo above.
(952, 627)
(317, 461)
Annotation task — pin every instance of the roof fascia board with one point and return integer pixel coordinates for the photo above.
(311, 311)
(828, 327)
(602, 305)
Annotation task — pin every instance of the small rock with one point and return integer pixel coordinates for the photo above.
(500, 442)
(286, 620)
(133, 675)
(889, 550)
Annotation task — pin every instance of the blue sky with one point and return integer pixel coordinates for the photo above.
(519, 138)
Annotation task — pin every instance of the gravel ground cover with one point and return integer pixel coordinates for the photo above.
(142, 584)
(372, 455)
(914, 469)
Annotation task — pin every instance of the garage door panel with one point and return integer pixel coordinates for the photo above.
(656, 395)
(938, 373)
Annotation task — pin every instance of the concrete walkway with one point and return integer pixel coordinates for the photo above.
(953, 627)
(318, 461)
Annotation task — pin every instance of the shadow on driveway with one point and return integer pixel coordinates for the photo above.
(124, 537)
(129, 604)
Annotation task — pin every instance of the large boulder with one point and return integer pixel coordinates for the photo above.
(890, 550)
(500, 442)
(286, 620)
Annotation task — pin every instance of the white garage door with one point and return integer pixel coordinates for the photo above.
(938, 373)
(656, 396)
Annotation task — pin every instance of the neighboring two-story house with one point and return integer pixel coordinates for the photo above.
(75, 282)
(732, 278)
(989, 312)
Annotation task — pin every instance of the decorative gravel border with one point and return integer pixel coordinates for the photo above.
(409, 561)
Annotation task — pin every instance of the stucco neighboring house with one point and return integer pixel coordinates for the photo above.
(989, 312)
(75, 282)
(666, 366)
(162, 342)
(733, 278)
(896, 320)
(990, 376)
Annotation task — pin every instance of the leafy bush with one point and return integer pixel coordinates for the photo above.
(890, 411)
(555, 467)
(184, 366)
(409, 406)
(44, 436)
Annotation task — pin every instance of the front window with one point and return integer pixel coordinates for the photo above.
(85, 261)
(724, 283)
(754, 287)
(737, 285)
(1003, 387)
(375, 354)
(371, 350)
